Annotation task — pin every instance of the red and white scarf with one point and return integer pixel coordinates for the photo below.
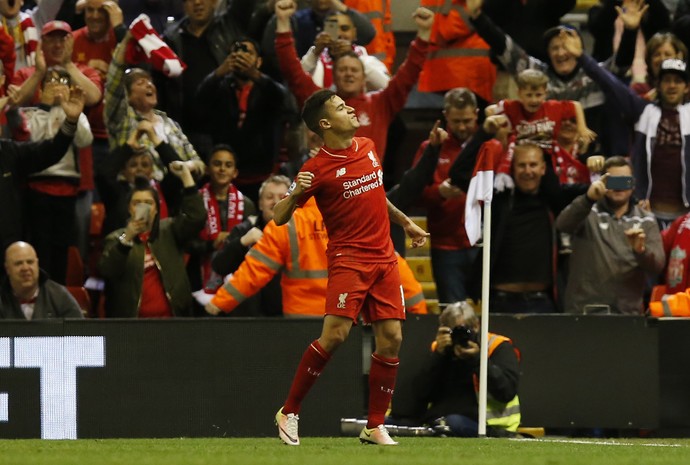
(29, 36)
(212, 280)
(213, 219)
(148, 46)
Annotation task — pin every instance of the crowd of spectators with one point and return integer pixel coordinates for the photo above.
(192, 115)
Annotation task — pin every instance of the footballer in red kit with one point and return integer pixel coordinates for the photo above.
(346, 179)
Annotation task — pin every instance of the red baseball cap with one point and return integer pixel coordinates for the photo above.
(53, 26)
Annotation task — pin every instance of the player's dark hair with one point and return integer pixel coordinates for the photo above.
(315, 108)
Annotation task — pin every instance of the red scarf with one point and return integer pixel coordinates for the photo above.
(568, 168)
(212, 281)
(235, 211)
(242, 101)
(163, 205)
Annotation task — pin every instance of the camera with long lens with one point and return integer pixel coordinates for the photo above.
(462, 335)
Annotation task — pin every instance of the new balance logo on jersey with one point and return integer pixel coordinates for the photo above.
(340, 172)
(372, 157)
(341, 300)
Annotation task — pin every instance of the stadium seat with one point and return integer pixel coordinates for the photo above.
(421, 267)
(74, 276)
(82, 297)
(95, 236)
(97, 217)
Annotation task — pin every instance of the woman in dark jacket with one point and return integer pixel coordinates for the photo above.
(143, 263)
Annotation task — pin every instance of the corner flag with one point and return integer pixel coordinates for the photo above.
(481, 189)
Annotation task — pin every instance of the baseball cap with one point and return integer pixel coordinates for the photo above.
(674, 65)
(53, 26)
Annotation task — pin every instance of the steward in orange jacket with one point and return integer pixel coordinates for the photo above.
(458, 57)
(298, 249)
(379, 13)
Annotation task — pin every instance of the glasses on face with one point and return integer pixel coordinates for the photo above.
(64, 80)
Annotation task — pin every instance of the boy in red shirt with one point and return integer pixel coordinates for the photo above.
(538, 121)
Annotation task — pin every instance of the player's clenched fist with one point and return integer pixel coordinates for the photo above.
(303, 181)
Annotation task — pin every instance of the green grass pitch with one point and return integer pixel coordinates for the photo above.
(342, 451)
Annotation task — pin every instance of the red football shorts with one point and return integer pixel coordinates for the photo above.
(373, 289)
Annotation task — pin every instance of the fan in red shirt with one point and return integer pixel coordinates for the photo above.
(375, 110)
(346, 180)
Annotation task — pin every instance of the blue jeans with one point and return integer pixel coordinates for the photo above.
(462, 426)
(451, 270)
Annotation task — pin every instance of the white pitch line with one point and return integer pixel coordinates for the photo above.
(605, 443)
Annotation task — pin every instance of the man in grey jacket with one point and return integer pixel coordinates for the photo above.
(26, 293)
(615, 243)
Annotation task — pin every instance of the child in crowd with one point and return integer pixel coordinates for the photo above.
(226, 207)
(538, 121)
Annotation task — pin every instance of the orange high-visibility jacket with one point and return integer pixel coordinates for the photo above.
(298, 249)
(379, 13)
(459, 57)
(662, 304)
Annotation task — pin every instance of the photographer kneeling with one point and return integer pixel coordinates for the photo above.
(449, 382)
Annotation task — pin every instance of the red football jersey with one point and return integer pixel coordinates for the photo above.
(540, 128)
(348, 187)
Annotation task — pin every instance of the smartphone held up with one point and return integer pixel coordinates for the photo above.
(142, 211)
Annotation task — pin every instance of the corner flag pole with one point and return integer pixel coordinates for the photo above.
(484, 337)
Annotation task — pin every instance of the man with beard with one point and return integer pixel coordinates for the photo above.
(244, 109)
(615, 243)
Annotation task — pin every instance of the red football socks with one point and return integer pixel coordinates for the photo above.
(381, 384)
(313, 362)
